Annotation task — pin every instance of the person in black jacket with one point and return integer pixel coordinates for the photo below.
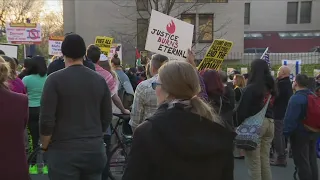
(59, 64)
(280, 105)
(184, 139)
(228, 91)
(318, 81)
(260, 86)
(222, 104)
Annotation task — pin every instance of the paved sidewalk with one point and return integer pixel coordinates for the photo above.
(279, 173)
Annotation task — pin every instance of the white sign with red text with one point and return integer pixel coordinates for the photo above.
(23, 33)
(55, 45)
(169, 36)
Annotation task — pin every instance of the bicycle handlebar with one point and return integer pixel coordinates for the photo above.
(122, 116)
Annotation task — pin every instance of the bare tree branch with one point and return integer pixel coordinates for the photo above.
(167, 7)
(19, 10)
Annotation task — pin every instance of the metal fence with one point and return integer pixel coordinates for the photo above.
(309, 61)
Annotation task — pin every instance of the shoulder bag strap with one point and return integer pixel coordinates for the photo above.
(265, 107)
(220, 105)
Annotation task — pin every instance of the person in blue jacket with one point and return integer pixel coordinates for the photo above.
(302, 141)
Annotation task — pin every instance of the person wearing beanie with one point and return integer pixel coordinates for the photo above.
(75, 111)
(59, 62)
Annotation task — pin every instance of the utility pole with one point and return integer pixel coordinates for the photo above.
(32, 48)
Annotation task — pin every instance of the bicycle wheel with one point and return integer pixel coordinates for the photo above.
(117, 161)
(36, 164)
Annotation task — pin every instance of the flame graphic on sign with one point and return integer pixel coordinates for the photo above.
(171, 27)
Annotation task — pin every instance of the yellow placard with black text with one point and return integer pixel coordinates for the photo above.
(104, 43)
(215, 55)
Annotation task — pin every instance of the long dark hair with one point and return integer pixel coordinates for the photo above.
(261, 77)
(38, 66)
(26, 66)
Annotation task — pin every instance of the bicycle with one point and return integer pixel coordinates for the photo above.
(118, 156)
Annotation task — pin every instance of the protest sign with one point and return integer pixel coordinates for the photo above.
(230, 71)
(10, 50)
(23, 33)
(244, 70)
(55, 45)
(169, 36)
(316, 72)
(115, 49)
(294, 66)
(215, 55)
(272, 73)
(104, 43)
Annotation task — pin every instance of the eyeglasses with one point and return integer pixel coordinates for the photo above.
(154, 85)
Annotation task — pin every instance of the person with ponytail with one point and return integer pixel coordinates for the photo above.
(184, 138)
(14, 118)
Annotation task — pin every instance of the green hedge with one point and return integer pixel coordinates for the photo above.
(305, 68)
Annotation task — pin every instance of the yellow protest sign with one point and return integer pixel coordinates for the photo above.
(215, 55)
(104, 43)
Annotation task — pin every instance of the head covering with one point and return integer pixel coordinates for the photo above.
(103, 57)
(73, 46)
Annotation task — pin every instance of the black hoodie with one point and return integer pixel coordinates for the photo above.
(177, 144)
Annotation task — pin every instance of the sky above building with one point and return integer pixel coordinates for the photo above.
(53, 5)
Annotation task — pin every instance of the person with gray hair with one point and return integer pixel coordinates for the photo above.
(145, 100)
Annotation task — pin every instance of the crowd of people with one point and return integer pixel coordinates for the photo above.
(183, 121)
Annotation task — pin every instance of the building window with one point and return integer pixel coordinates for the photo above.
(205, 28)
(305, 12)
(203, 1)
(292, 12)
(191, 19)
(253, 36)
(212, 1)
(142, 5)
(247, 13)
(142, 31)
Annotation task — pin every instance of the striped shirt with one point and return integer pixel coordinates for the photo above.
(112, 84)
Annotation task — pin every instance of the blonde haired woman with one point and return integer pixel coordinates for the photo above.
(184, 139)
(239, 83)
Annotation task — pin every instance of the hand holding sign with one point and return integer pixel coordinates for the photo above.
(191, 57)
